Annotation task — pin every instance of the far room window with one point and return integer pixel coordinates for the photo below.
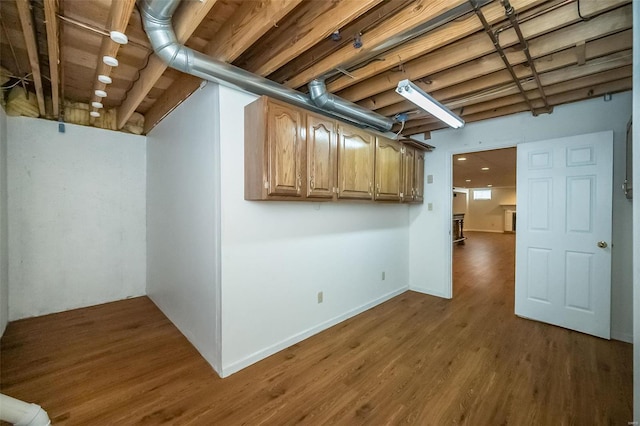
(481, 194)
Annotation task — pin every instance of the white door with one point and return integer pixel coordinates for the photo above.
(563, 241)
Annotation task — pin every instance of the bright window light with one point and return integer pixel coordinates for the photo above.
(481, 194)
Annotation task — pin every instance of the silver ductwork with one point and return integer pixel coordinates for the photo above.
(156, 18)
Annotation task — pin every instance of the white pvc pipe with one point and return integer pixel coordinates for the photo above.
(22, 413)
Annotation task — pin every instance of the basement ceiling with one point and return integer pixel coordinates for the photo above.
(496, 167)
(578, 50)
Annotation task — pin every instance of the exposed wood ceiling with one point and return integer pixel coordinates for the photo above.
(579, 49)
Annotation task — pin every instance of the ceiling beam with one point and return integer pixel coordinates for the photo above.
(479, 45)
(554, 100)
(119, 16)
(236, 35)
(319, 21)
(51, 21)
(439, 37)
(416, 14)
(543, 46)
(185, 21)
(28, 30)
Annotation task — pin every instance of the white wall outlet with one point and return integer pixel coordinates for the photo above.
(429, 178)
(384, 274)
(320, 297)
(430, 206)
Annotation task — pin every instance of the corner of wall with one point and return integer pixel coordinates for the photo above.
(4, 248)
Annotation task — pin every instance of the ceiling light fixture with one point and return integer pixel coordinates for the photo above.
(467, 180)
(414, 94)
(94, 114)
(484, 168)
(104, 79)
(489, 185)
(100, 93)
(97, 105)
(462, 158)
(119, 37)
(110, 60)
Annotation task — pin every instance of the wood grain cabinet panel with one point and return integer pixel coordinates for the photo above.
(388, 170)
(274, 149)
(356, 154)
(408, 174)
(419, 177)
(285, 145)
(322, 156)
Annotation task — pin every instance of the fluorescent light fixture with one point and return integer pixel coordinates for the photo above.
(462, 158)
(119, 37)
(484, 168)
(414, 94)
(110, 60)
(104, 79)
(467, 180)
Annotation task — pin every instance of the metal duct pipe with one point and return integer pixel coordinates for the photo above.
(328, 101)
(156, 18)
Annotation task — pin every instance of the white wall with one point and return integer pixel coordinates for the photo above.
(182, 221)
(276, 257)
(636, 213)
(488, 215)
(430, 246)
(76, 216)
(4, 249)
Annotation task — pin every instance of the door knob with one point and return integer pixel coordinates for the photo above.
(602, 244)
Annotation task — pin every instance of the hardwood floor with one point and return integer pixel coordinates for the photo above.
(416, 359)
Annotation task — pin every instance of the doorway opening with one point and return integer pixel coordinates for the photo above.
(484, 223)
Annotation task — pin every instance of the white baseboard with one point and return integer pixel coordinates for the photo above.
(485, 230)
(430, 292)
(623, 337)
(268, 351)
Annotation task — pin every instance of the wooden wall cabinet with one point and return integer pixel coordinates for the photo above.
(388, 171)
(294, 154)
(322, 156)
(274, 149)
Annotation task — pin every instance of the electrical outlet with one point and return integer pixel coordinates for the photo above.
(429, 206)
(320, 297)
(429, 178)
(383, 275)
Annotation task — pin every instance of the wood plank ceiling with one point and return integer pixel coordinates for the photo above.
(578, 49)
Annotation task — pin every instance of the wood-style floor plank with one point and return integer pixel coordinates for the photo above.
(415, 359)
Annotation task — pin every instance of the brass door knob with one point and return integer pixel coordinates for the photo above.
(602, 244)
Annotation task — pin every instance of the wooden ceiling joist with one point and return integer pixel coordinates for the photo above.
(448, 33)
(233, 38)
(28, 29)
(50, 11)
(554, 100)
(185, 21)
(416, 14)
(479, 45)
(118, 19)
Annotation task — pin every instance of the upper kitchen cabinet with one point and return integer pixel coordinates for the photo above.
(356, 154)
(322, 156)
(419, 177)
(408, 174)
(274, 150)
(388, 169)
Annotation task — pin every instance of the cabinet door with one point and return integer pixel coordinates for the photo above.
(284, 143)
(408, 174)
(356, 153)
(388, 171)
(321, 156)
(419, 177)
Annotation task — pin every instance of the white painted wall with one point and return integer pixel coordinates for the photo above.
(636, 213)
(430, 247)
(76, 216)
(4, 249)
(182, 221)
(488, 215)
(276, 257)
